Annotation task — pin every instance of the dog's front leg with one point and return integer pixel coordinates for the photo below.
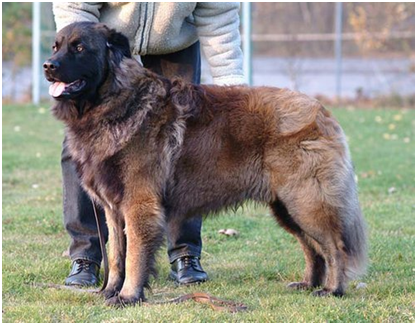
(117, 252)
(144, 224)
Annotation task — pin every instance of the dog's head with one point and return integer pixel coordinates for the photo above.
(83, 54)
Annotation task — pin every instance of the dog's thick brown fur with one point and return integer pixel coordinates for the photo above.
(148, 149)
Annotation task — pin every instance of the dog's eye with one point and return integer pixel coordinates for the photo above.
(54, 48)
(79, 48)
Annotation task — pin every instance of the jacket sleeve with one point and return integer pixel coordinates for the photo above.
(218, 30)
(66, 13)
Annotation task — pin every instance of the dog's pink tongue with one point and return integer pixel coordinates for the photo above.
(56, 89)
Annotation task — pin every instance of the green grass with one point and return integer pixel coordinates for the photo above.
(252, 268)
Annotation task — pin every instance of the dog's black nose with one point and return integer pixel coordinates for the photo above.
(50, 65)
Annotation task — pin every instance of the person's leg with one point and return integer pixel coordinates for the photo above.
(184, 239)
(80, 223)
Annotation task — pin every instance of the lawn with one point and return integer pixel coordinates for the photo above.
(252, 268)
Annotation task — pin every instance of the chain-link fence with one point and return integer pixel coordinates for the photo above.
(293, 45)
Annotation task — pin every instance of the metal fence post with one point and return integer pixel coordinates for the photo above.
(247, 42)
(36, 52)
(338, 47)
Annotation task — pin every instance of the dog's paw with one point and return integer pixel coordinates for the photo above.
(108, 293)
(299, 285)
(118, 301)
(327, 292)
(321, 293)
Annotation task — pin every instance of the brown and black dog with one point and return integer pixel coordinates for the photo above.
(148, 148)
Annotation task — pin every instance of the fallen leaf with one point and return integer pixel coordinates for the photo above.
(228, 232)
(368, 174)
(378, 119)
(392, 190)
(231, 232)
(398, 117)
(361, 285)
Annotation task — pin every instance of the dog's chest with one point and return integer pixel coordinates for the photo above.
(99, 174)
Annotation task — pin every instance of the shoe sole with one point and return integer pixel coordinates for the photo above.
(173, 277)
(81, 284)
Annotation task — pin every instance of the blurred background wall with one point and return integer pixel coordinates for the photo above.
(293, 45)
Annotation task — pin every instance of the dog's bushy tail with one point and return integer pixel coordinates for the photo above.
(354, 234)
(356, 247)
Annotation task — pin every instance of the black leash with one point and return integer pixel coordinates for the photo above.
(103, 248)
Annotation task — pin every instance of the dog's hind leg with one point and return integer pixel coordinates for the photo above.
(315, 269)
(330, 216)
(144, 224)
(117, 253)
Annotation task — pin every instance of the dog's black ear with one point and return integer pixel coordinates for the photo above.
(119, 46)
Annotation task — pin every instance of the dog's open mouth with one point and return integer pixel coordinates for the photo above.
(59, 88)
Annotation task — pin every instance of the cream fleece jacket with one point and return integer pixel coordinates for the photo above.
(167, 27)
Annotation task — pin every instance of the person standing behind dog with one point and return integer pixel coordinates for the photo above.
(167, 37)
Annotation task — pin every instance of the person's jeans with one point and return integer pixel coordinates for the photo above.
(184, 239)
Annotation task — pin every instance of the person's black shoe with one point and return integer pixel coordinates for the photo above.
(187, 270)
(83, 273)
